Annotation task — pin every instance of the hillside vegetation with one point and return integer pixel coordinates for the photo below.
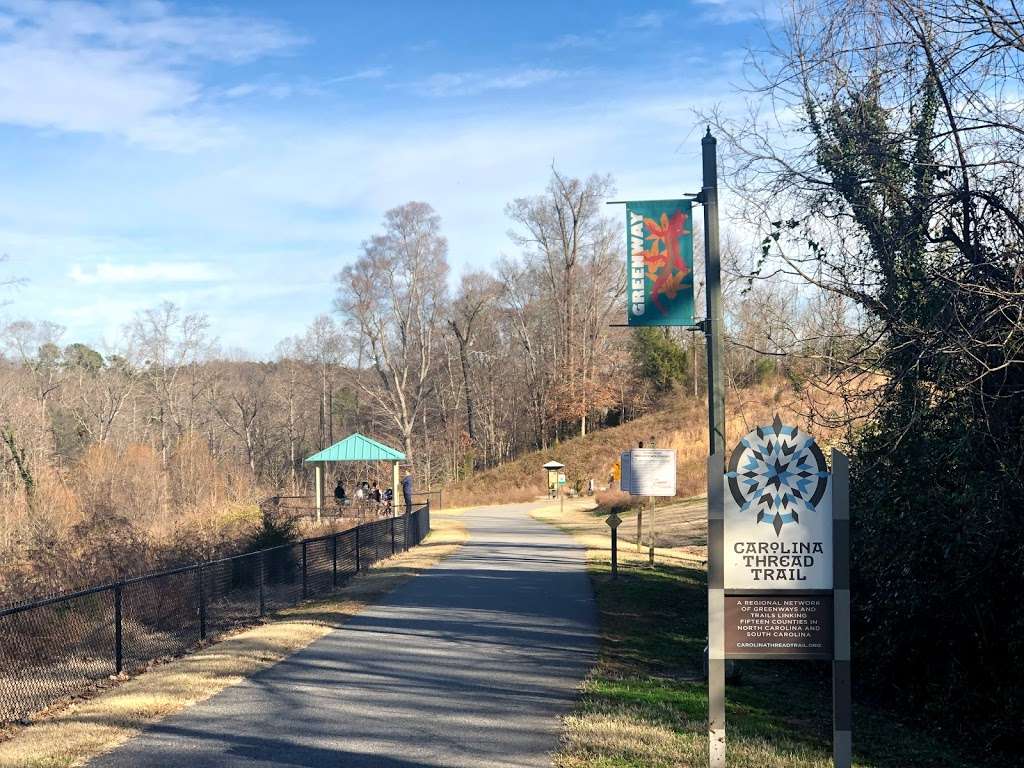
(679, 421)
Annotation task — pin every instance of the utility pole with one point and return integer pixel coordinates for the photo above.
(714, 332)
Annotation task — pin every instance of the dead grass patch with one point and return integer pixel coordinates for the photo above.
(680, 422)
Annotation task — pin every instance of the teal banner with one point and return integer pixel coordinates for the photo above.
(659, 262)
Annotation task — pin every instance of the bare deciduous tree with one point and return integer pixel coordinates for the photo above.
(393, 297)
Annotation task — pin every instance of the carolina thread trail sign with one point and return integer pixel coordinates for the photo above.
(781, 581)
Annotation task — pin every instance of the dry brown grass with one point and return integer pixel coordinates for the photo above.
(118, 511)
(83, 730)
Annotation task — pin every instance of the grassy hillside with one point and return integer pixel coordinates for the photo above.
(678, 422)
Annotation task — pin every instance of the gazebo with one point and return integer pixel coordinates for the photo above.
(354, 448)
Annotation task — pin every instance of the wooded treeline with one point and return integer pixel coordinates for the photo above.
(156, 450)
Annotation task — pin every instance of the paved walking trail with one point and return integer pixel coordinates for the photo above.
(468, 665)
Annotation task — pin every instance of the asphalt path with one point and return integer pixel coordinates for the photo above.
(470, 664)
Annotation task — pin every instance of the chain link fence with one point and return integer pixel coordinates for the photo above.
(54, 648)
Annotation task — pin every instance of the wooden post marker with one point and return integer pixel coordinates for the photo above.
(650, 547)
(613, 521)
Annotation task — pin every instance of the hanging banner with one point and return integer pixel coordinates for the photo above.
(659, 262)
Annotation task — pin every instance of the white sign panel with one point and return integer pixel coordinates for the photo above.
(652, 472)
(778, 512)
(624, 473)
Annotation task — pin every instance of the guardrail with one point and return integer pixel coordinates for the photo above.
(53, 648)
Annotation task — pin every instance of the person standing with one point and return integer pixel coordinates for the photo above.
(407, 490)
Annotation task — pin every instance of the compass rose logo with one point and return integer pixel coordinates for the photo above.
(778, 471)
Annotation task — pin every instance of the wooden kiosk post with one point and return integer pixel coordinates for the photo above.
(318, 470)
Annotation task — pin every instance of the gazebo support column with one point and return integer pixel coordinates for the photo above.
(394, 486)
(319, 471)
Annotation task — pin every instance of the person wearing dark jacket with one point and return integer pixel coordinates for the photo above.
(339, 493)
(407, 490)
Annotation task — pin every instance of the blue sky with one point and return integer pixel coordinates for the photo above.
(231, 158)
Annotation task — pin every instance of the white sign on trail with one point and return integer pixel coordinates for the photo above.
(652, 472)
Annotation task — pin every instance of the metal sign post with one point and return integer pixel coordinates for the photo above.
(713, 331)
(716, 613)
(842, 701)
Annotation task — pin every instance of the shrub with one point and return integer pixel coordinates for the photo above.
(659, 358)
(277, 527)
(938, 570)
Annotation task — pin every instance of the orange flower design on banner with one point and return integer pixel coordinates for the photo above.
(665, 266)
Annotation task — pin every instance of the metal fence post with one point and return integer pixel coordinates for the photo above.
(118, 637)
(334, 560)
(202, 603)
(392, 534)
(358, 527)
(305, 587)
(263, 605)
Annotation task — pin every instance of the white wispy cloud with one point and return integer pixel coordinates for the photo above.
(575, 41)
(473, 83)
(120, 70)
(739, 11)
(152, 26)
(109, 273)
(646, 20)
(373, 73)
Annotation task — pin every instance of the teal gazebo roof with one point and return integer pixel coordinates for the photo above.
(357, 448)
